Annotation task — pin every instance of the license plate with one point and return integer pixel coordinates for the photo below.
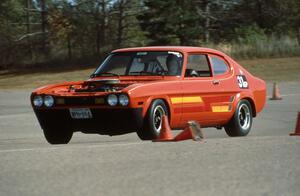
(80, 113)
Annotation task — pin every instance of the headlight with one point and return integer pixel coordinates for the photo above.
(123, 100)
(38, 101)
(48, 101)
(112, 100)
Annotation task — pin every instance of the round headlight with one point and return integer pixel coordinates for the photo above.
(38, 101)
(48, 101)
(123, 100)
(112, 100)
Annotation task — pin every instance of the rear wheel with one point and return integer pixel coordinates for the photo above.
(241, 122)
(153, 120)
(58, 136)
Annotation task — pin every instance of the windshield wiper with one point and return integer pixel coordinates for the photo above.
(103, 73)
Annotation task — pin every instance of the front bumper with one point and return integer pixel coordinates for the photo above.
(106, 121)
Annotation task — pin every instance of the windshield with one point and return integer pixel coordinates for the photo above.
(141, 63)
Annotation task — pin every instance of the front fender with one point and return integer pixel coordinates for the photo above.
(149, 100)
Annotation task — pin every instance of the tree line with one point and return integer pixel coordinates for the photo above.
(57, 32)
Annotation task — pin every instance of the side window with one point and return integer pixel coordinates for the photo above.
(197, 66)
(219, 65)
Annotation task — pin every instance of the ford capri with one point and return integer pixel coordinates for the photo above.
(134, 87)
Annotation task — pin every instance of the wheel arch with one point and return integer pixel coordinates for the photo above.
(252, 105)
(151, 100)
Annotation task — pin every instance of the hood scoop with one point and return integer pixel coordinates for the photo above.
(101, 85)
(103, 81)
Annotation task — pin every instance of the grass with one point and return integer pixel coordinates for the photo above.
(275, 69)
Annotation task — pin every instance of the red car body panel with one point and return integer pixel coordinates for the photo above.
(209, 100)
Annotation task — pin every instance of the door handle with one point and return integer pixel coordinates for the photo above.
(216, 82)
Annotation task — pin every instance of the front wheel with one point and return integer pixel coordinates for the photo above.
(153, 120)
(58, 136)
(241, 122)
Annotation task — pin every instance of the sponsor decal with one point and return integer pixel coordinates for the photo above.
(178, 54)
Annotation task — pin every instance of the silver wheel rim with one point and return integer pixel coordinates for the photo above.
(157, 118)
(244, 116)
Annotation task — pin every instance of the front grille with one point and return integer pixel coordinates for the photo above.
(72, 101)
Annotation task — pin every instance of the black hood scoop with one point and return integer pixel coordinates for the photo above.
(103, 81)
(101, 85)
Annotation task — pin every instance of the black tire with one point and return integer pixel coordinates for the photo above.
(153, 119)
(58, 136)
(241, 122)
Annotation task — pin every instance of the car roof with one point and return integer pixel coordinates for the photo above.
(171, 48)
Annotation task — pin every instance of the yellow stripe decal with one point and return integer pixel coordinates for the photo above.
(175, 100)
(223, 108)
(192, 99)
(195, 99)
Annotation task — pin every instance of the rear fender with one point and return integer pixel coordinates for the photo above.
(249, 97)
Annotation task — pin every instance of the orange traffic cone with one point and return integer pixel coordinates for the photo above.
(297, 130)
(193, 131)
(276, 93)
(165, 134)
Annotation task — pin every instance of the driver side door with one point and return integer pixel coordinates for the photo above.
(200, 90)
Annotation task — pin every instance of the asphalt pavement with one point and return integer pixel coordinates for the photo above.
(266, 162)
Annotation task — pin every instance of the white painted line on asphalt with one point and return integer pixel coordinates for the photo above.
(65, 147)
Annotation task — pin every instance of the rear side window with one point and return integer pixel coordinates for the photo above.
(197, 66)
(219, 65)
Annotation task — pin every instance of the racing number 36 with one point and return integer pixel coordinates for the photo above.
(242, 81)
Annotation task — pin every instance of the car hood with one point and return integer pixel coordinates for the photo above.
(97, 86)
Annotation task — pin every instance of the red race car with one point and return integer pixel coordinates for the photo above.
(133, 88)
